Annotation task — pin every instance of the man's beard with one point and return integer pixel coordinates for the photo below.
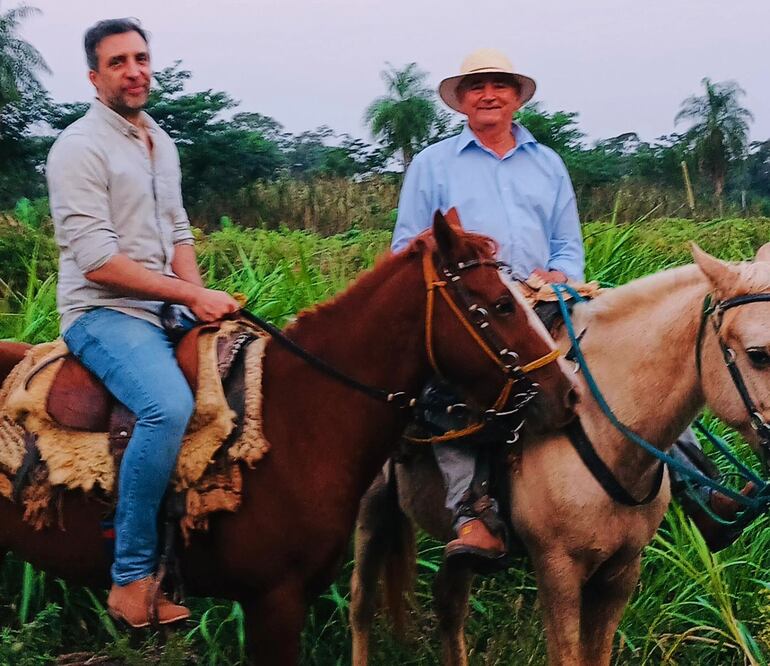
(120, 106)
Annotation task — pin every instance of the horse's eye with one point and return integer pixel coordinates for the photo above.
(504, 306)
(759, 357)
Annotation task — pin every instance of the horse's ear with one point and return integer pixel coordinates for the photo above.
(722, 275)
(453, 218)
(445, 232)
(763, 253)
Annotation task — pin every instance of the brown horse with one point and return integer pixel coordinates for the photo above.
(283, 547)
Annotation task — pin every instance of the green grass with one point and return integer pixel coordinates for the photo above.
(690, 608)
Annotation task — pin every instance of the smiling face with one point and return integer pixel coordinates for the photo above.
(489, 100)
(123, 74)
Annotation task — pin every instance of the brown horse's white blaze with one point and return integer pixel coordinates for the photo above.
(284, 545)
(640, 344)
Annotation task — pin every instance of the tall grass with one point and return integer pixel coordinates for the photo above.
(690, 608)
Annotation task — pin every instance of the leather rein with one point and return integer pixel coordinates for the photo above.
(476, 323)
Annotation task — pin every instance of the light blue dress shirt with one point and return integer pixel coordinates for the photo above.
(523, 200)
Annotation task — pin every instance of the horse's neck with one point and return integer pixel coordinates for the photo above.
(374, 333)
(640, 346)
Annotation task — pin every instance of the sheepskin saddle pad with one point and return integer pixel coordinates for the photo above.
(60, 430)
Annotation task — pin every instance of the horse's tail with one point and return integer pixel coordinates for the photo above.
(399, 567)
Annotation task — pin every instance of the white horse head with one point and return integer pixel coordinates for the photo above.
(744, 329)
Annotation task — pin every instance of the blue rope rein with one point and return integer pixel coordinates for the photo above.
(756, 504)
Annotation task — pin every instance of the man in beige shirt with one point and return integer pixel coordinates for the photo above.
(125, 249)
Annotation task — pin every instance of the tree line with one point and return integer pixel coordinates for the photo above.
(708, 164)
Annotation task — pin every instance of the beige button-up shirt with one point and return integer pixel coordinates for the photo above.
(109, 196)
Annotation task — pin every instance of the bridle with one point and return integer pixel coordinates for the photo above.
(714, 310)
(477, 324)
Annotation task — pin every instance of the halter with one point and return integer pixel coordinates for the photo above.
(714, 310)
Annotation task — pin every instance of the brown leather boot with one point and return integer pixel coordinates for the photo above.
(132, 604)
(716, 535)
(477, 548)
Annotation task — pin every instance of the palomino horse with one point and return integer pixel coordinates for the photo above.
(282, 548)
(640, 344)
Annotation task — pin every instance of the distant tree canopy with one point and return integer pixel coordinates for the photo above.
(407, 118)
(224, 150)
(719, 133)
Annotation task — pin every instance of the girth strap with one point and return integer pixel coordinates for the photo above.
(603, 474)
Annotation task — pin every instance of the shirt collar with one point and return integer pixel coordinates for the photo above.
(467, 137)
(115, 120)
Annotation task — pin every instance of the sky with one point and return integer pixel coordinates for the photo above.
(623, 65)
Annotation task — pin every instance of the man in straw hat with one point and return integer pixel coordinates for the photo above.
(508, 186)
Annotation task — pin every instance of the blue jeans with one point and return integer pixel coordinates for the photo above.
(135, 360)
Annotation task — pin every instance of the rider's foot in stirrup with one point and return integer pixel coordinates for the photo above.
(477, 548)
(716, 535)
(133, 603)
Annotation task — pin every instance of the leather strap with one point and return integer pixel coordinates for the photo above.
(603, 474)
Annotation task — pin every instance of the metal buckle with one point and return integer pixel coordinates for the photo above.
(401, 400)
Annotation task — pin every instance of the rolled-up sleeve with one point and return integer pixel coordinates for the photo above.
(415, 207)
(566, 242)
(78, 188)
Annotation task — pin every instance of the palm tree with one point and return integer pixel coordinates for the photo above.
(19, 60)
(405, 117)
(719, 134)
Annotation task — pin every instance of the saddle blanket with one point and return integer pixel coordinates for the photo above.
(207, 469)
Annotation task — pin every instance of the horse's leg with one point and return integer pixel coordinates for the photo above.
(370, 547)
(384, 546)
(605, 596)
(274, 622)
(559, 583)
(450, 599)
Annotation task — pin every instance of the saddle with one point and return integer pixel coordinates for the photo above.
(60, 429)
(78, 400)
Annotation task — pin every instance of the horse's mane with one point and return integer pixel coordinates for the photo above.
(618, 302)
(472, 246)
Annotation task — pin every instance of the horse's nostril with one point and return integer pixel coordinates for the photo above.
(572, 398)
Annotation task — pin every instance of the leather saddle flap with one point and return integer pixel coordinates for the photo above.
(79, 400)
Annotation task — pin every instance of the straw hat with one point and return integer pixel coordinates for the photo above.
(484, 61)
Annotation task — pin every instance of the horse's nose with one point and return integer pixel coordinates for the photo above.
(571, 399)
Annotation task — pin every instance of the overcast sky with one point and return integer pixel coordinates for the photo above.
(624, 65)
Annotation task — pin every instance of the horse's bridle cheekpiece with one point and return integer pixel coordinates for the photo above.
(477, 325)
(714, 310)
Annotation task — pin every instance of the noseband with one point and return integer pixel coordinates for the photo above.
(476, 323)
(715, 312)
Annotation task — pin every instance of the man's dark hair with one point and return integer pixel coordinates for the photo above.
(96, 33)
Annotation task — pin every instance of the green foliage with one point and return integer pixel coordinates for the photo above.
(405, 117)
(19, 60)
(691, 607)
(558, 130)
(720, 129)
